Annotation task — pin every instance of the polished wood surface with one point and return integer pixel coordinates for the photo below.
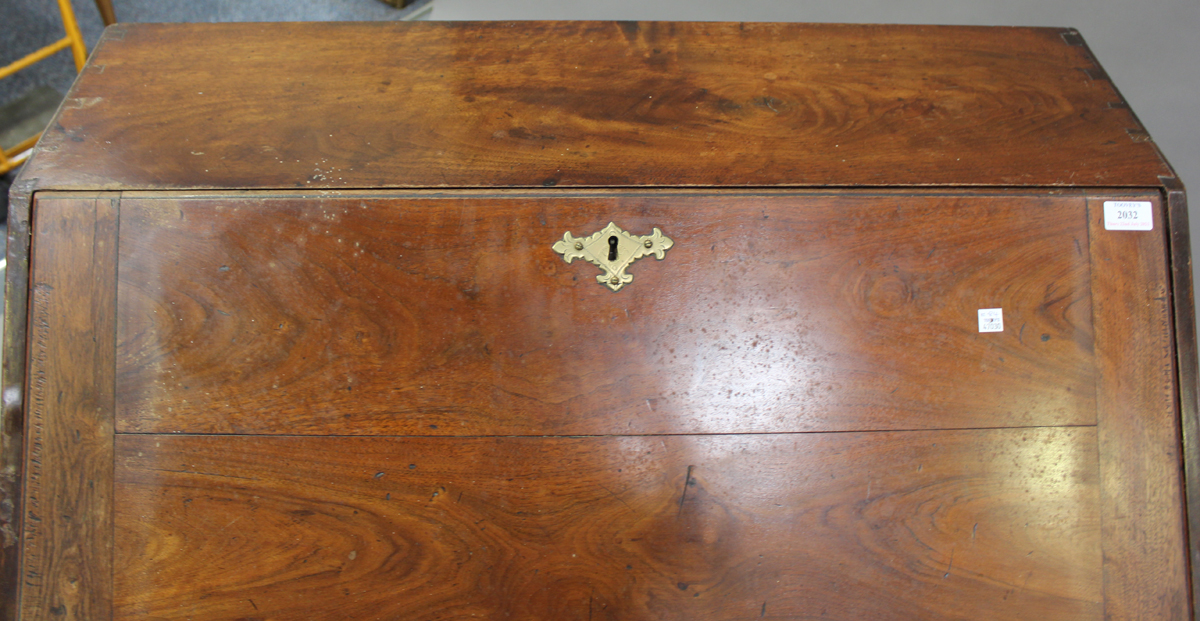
(993, 524)
(339, 361)
(451, 315)
(429, 104)
(67, 539)
(1146, 565)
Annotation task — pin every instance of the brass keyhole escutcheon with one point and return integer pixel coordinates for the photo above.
(613, 250)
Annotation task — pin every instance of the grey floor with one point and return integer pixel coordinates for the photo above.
(1149, 47)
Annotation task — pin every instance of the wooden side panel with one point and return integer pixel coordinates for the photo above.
(453, 316)
(590, 104)
(991, 524)
(1145, 560)
(67, 543)
(12, 405)
(1184, 306)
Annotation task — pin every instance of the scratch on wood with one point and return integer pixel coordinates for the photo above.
(80, 103)
(622, 500)
(686, 482)
(950, 565)
(205, 474)
(762, 613)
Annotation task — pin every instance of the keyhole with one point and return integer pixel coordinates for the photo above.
(612, 248)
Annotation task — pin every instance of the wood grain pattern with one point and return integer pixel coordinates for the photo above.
(452, 316)
(488, 105)
(67, 539)
(1145, 546)
(996, 524)
(589, 104)
(311, 306)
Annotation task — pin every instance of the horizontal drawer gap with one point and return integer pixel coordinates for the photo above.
(610, 435)
(627, 192)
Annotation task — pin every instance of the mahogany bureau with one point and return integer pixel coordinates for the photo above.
(597, 321)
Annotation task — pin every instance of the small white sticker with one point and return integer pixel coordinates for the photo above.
(1128, 216)
(991, 320)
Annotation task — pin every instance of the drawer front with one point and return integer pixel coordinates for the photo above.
(453, 315)
(996, 524)
(407, 405)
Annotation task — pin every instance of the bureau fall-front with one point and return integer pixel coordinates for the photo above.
(597, 321)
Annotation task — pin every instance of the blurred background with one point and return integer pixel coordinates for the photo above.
(1150, 48)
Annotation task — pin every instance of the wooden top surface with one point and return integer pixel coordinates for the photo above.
(453, 104)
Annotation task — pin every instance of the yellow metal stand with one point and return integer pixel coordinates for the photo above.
(11, 157)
